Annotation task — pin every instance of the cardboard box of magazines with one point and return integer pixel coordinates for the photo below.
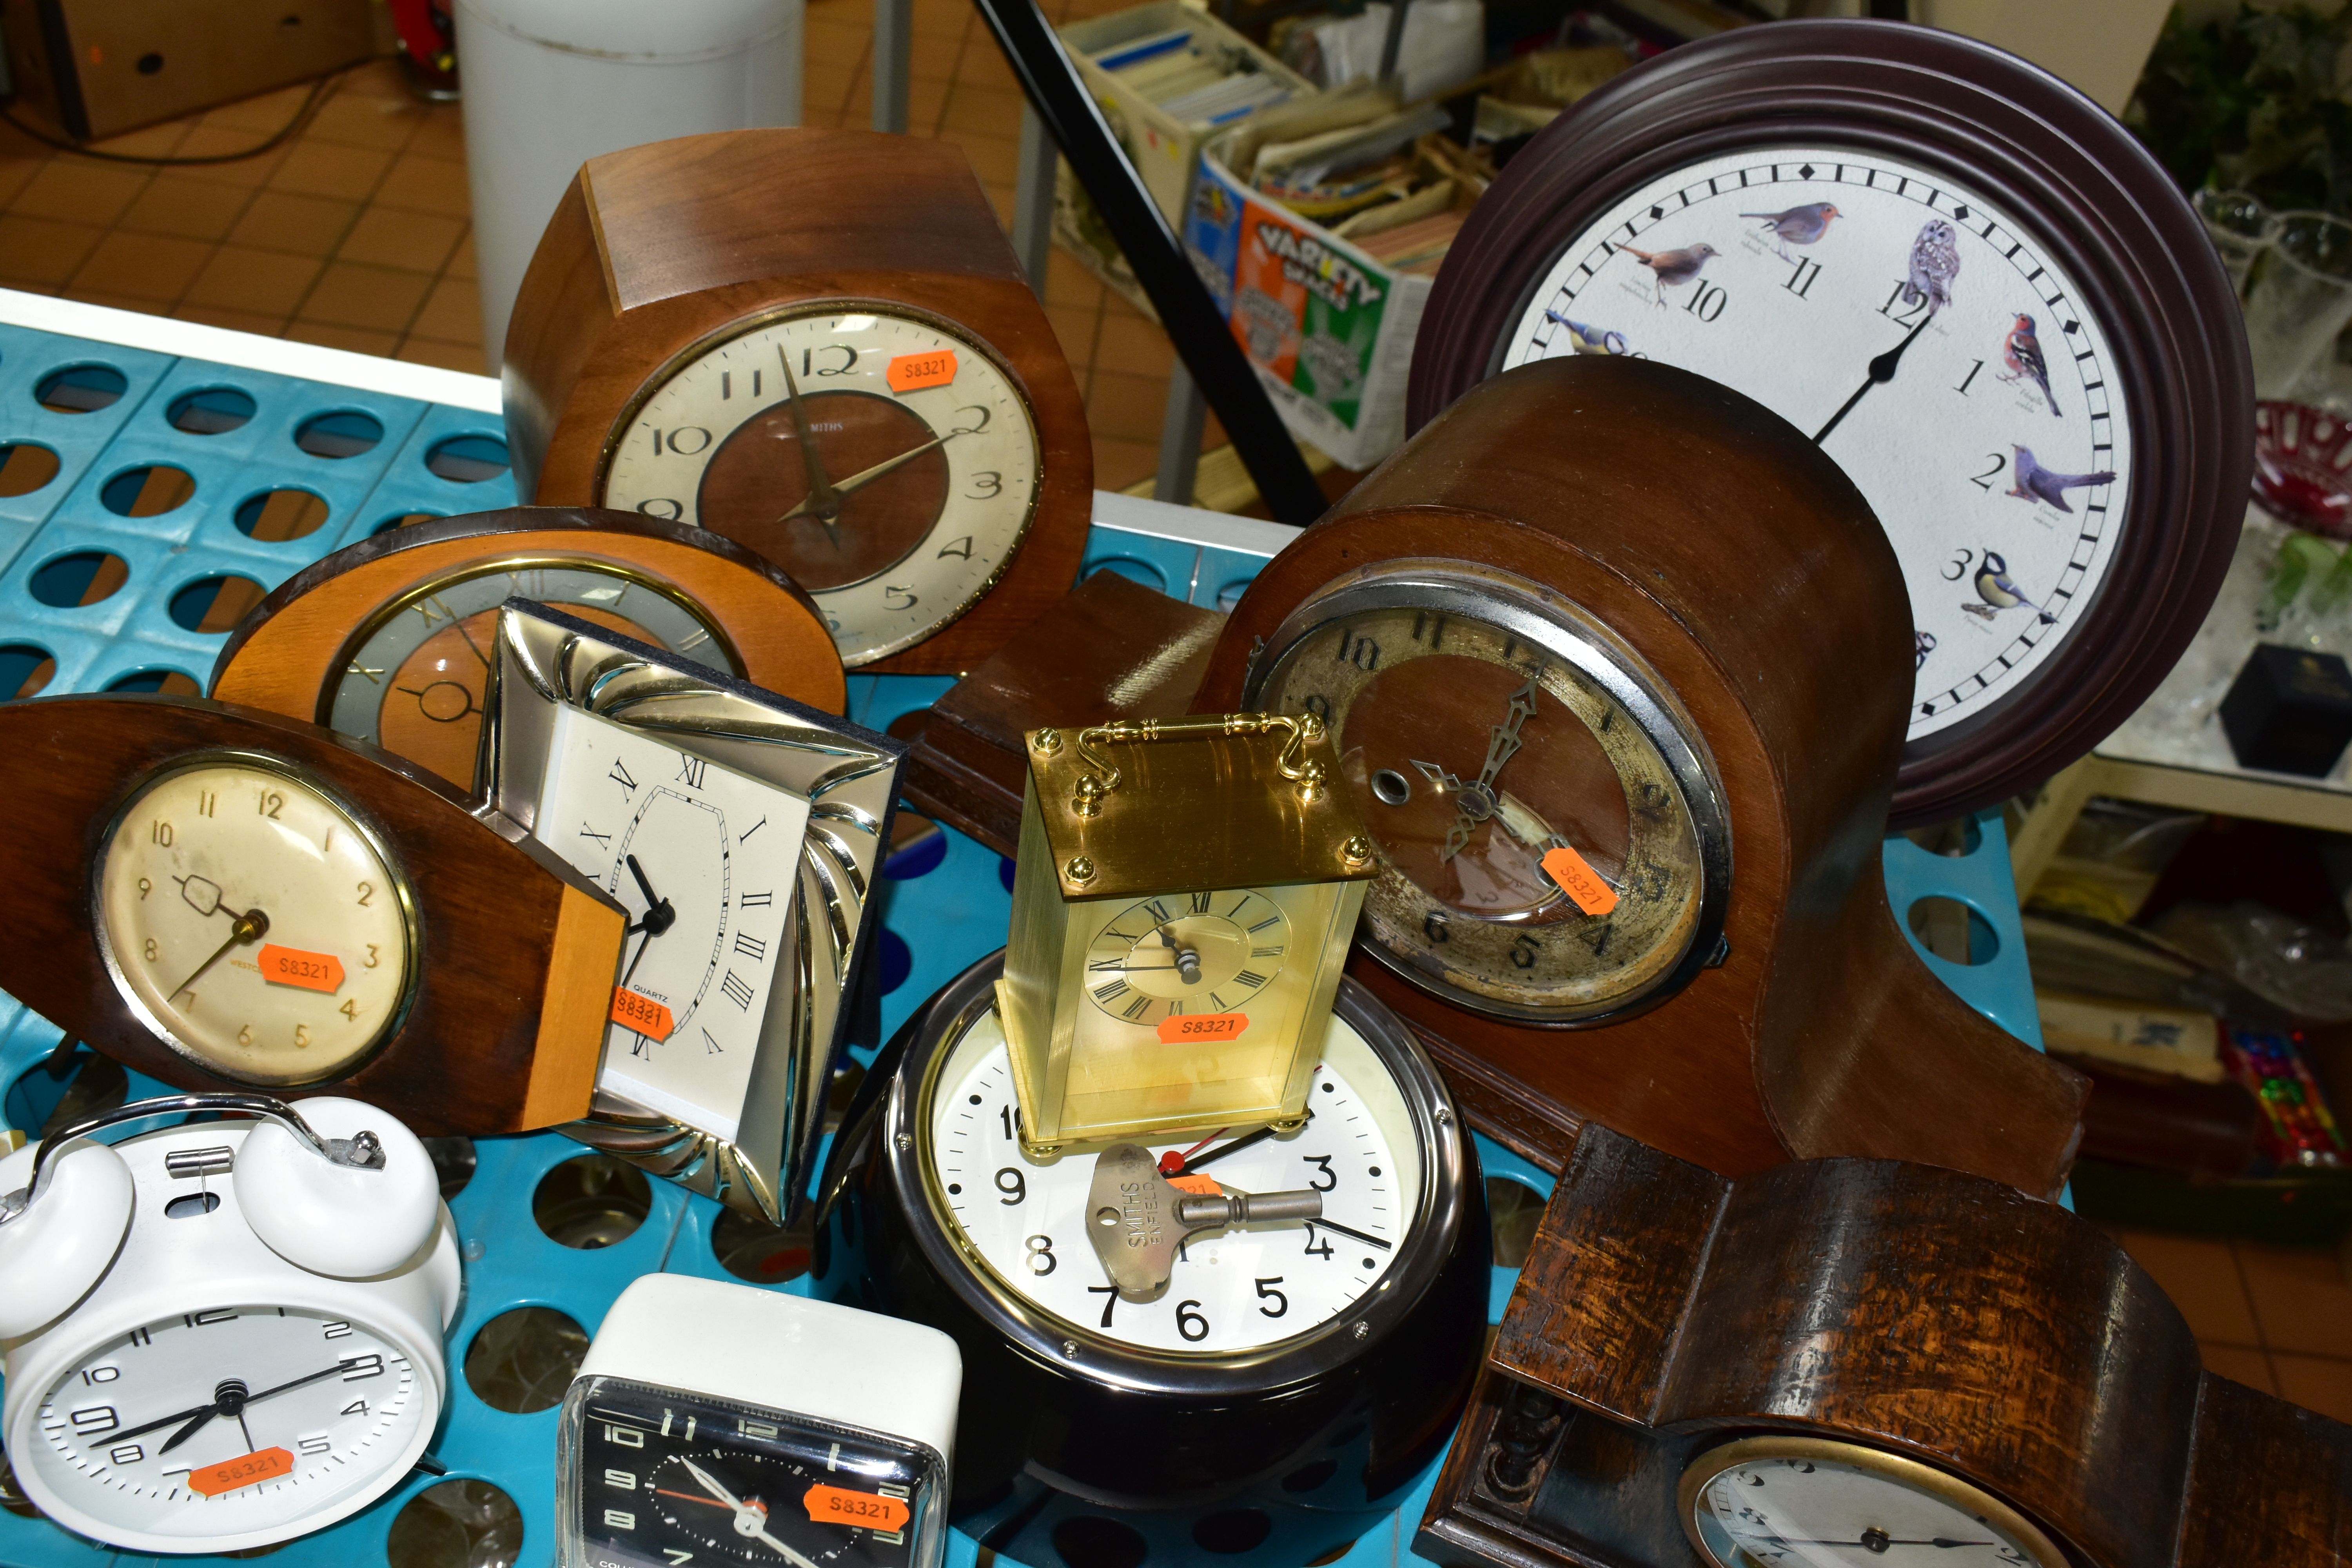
(1318, 228)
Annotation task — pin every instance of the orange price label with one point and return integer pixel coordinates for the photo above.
(245, 1470)
(1205, 1027)
(1578, 881)
(912, 373)
(292, 966)
(867, 1510)
(642, 1014)
(1199, 1186)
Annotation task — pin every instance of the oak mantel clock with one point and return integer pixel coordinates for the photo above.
(1844, 1363)
(1609, 656)
(819, 344)
(1962, 279)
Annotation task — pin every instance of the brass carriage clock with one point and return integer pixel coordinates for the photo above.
(1185, 896)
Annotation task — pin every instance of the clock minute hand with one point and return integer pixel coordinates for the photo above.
(864, 477)
(1882, 371)
(251, 927)
(1477, 797)
(821, 499)
(710, 1483)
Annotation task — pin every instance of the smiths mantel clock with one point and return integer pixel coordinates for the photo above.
(1620, 715)
(1963, 281)
(819, 344)
(1287, 1377)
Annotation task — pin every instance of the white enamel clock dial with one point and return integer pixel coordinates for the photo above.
(1802, 1507)
(706, 862)
(1999, 452)
(1231, 1291)
(254, 922)
(887, 462)
(326, 1405)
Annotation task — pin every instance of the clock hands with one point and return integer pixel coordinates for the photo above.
(822, 500)
(1187, 961)
(1882, 371)
(1138, 1219)
(750, 1518)
(229, 1399)
(1476, 801)
(809, 505)
(251, 927)
(659, 916)
(1879, 1540)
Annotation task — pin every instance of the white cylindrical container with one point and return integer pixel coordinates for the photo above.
(550, 84)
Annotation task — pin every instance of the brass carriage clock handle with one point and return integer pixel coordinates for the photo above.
(1138, 1217)
(1105, 776)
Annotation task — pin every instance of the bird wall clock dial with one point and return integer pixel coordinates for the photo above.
(1817, 1367)
(1968, 286)
(222, 898)
(816, 343)
(1625, 783)
(741, 832)
(1288, 1367)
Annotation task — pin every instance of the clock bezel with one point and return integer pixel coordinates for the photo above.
(2057, 165)
(1424, 1251)
(744, 326)
(1895, 1467)
(360, 822)
(1579, 638)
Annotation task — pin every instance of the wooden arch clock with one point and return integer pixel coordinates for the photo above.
(1840, 1363)
(819, 344)
(1611, 657)
(1969, 286)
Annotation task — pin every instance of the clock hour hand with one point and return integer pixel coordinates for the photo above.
(750, 1519)
(230, 1400)
(1882, 371)
(659, 916)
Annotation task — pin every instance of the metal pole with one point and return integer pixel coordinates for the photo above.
(1199, 333)
(1032, 199)
(894, 42)
(1179, 440)
(1392, 42)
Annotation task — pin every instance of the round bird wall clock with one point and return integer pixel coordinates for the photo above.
(1976, 292)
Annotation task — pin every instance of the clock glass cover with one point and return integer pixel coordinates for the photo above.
(415, 679)
(1798, 1502)
(1231, 1292)
(651, 1478)
(884, 460)
(705, 860)
(1552, 841)
(254, 921)
(328, 1405)
(1935, 348)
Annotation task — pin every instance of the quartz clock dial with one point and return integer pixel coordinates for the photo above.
(883, 457)
(1926, 339)
(255, 922)
(664, 1477)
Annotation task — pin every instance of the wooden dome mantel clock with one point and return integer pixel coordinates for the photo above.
(1969, 286)
(819, 344)
(1611, 657)
(1843, 1362)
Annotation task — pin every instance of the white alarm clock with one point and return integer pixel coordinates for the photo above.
(222, 1335)
(714, 1423)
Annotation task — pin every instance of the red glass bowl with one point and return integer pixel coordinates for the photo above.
(2302, 467)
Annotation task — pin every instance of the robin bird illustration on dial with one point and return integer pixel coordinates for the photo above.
(884, 460)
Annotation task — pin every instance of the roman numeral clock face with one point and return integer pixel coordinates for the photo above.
(1932, 346)
(887, 462)
(705, 860)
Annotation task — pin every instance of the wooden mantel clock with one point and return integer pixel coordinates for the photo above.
(1843, 1362)
(819, 344)
(1613, 657)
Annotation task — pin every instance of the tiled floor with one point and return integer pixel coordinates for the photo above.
(2276, 1317)
(354, 233)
